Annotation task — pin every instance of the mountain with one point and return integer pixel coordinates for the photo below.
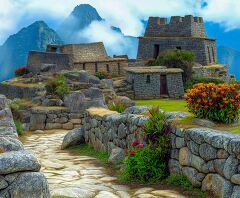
(14, 52)
(81, 17)
(231, 57)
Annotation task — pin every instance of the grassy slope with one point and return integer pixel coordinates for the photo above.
(165, 104)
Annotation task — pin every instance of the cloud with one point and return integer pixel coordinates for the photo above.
(115, 42)
(126, 14)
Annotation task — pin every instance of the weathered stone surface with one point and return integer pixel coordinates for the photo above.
(37, 121)
(236, 192)
(74, 137)
(230, 167)
(126, 101)
(136, 109)
(207, 152)
(116, 155)
(16, 161)
(236, 179)
(28, 185)
(3, 183)
(174, 166)
(74, 101)
(194, 147)
(180, 142)
(68, 126)
(176, 114)
(53, 126)
(191, 174)
(122, 131)
(222, 154)
(217, 185)
(219, 166)
(10, 144)
(203, 122)
(175, 154)
(73, 192)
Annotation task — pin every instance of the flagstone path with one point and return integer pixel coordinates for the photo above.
(81, 176)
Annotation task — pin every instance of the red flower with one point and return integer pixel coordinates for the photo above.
(135, 143)
(131, 152)
(140, 146)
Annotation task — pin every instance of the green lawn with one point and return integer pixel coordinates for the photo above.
(165, 104)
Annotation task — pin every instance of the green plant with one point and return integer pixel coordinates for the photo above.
(214, 102)
(103, 75)
(191, 82)
(143, 165)
(177, 59)
(184, 183)
(117, 106)
(15, 108)
(19, 127)
(57, 86)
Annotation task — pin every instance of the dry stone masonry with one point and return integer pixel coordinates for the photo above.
(19, 168)
(208, 158)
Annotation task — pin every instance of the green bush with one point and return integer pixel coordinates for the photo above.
(57, 86)
(104, 75)
(190, 83)
(184, 183)
(15, 106)
(149, 164)
(19, 127)
(117, 106)
(143, 166)
(177, 59)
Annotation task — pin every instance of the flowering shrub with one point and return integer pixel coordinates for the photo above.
(142, 164)
(214, 102)
(21, 71)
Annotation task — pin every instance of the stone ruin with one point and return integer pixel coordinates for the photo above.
(91, 57)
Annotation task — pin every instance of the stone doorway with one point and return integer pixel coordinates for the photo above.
(163, 85)
(156, 51)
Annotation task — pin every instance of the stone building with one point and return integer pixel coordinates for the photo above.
(186, 33)
(155, 82)
(91, 57)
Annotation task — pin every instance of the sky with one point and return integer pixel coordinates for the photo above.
(126, 14)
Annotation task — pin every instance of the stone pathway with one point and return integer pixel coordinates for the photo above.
(80, 176)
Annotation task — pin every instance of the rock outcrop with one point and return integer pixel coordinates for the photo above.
(19, 168)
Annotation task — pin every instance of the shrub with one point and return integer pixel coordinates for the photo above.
(19, 127)
(190, 83)
(57, 86)
(214, 102)
(15, 106)
(177, 59)
(149, 164)
(143, 165)
(21, 71)
(117, 106)
(103, 75)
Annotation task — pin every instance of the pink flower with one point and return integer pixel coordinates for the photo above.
(131, 152)
(135, 143)
(140, 146)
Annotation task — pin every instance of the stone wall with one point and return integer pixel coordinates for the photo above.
(106, 130)
(214, 71)
(19, 168)
(187, 26)
(46, 118)
(114, 66)
(41, 61)
(12, 91)
(209, 159)
(199, 46)
(151, 90)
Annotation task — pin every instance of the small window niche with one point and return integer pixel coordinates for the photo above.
(148, 79)
(179, 48)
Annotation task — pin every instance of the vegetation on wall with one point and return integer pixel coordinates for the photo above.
(104, 75)
(117, 106)
(214, 102)
(148, 163)
(191, 82)
(57, 86)
(177, 59)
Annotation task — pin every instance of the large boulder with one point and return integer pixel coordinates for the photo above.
(26, 185)
(74, 101)
(10, 144)
(18, 161)
(73, 137)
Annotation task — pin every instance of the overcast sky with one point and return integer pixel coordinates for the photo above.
(126, 14)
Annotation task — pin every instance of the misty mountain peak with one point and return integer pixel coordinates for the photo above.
(86, 11)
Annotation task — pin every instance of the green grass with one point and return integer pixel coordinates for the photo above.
(84, 149)
(164, 104)
(184, 183)
(235, 130)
